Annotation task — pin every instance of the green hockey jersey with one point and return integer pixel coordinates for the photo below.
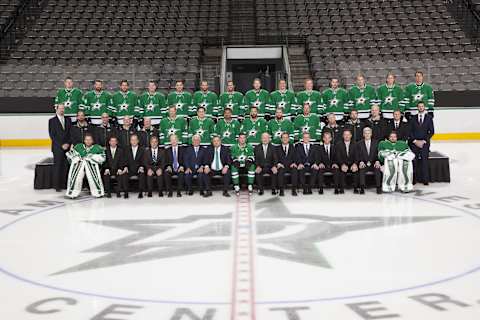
(153, 106)
(242, 154)
(336, 102)
(96, 103)
(208, 100)
(234, 101)
(313, 98)
(285, 100)
(254, 129)
(415, 93)
(277, 127)
(182, 102)
(125, 104)
(390, 99)
(260, 99)
(228, 131)
(177, 126)
(310, 124)
(203, 127)
(362, 99)
(387, 148)
(72, 100)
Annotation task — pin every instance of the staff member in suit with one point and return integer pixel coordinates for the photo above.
(378, 125)
(306, 154)
(400, 125)
(114, 167)
(147, 132)
(194, 165)
(345, 158)
(217, 161)
(285, 158)
(154, 164)
(80, 128)
(326, 162)
(367, 160)
(175, 165)
(333, 127)
(59, 132)
(104, 131)
(421, 131)
(125, 132)
(355, 125)
(135, 164)
(265, 160)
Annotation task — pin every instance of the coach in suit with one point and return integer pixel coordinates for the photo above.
(175, 165)
(378, 125)
(104, 131)
(285, 157)
(326, 162)
(421, 131)
(194, 166)
(125, 132)
(134, 154)
(147, 132)
(217, 161)
(59, 132)
(367, 160)
(345, 158)
(265, 160)
(401, 127)
(114, 167)
(355, 125)
(154, 159)
(305, 156)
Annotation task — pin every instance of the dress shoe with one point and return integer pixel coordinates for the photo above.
(379, 190)
(336, 191)
(260, 192)
(282, 193)
(160, 194)
(274, 192)
(149, 194)
(294, 193)
(342, 191)
(320, 191)
(362, 191)
(119, 195)
(170, 194)
(202, 193)
(426, 183)
(190, 192)
(58, 190)
(355, 190)
(108, 195)
(140, 195)
(226, 194)
(125, 196)
(179, 194)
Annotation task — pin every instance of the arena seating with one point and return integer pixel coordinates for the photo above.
(7, 10)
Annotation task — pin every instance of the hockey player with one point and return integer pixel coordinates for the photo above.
(283, 98)
(258, 98)
(71, 98)
(308, 122)
(173, 124)
(232, 100)
(312, 97)
(390, 97)
(242, 157)
(362, 97)
(279, 125)
(227, 128)
(416, 92)
(152, 104)
(181, 100)
(206, 99)
(125, 103)
(253, 127)
(396, 158)
(336, 100)
(202, 126)
(85, 160)
(97, 102)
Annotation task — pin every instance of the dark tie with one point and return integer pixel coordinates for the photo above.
(285, 149)
(327, 149)
(154, 155)
(396, 125)
(420, 119)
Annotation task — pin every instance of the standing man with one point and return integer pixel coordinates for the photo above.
(362, 97)
(254, 127)
(147, 132)
(308, 122)
(174, 166)
(265, 162)
(400, 125)
(306, 155)
(134, 155)
(59, 128)
(114, 167)
(285, 157)
(258, 98)
(97, 102)
(336, 100)
(194, 166)
(418, 92)
(202, 126)
(421, 131)
(217, 161)
(173, 125)
(279, 125)
(355, 125)
(345, 159)
(284, 99)
(227, 128)
(206, 99)
(125, 103)
(232, 100)
(378, 125)
(70, 98)
(104, 131)
(335, 130)
(152, 104)
(390, 97)
(80, 128)
(126, 131)
(242, 157)
(155, 162)
(181, 100)
(312, 97)
(367, 160)
(326, 162)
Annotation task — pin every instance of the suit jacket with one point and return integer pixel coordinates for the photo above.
(225, 156)
(379, 128)
(58, 135)
(114, 163)
(169, 157)
(341, 157)
(134, 163)
(328, 159)
(403, 131)
(306, 159)
(78, 133)
(192, 161)
(356, 128)
(361, 154)
(145, 136)
(124, 136)
(151, 163)
(422, 131)
(285, 159)
(103, 134)
(335, 132)
(260, 160)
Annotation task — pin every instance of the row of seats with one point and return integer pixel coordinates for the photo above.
(7, 11)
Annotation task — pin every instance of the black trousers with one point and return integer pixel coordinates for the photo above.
(122, 181)
(60, 169)
(321, 176)
(363, 172)
(293, 176)
(225, 177)
(342, 178)
(154, 176)
(168, 180)
(421, 161)
(302, 175)
(189, 180)
(261, 179)
(141, 181)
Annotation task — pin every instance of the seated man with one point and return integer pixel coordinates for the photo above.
(193, 164)
(242, 157)
(345, 158)
(306, 154)
(174, 166)
(397, 164)
(154, 160)
(378, 124)
(285, 163)
(265, 161)
(85, 160)
(216, 161)
(326, 162)
(114, 167)
(135, 164)
(367, 160)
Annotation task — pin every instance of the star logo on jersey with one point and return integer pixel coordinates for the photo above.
(67, 104)
(257, 104)
(204, 105)
(252, 133)
(171, 131)
(150, 107)
(333, 102)
(389, 99)
(124, 107)
(278, 133)
(280, 234)
(282, 104)
(96, 106)
(229, 106)
(361, 100)
(418, 97)
(227, 134)
(179, 106)
(200, 132)
(305, 129)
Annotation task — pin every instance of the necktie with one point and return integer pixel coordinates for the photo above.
(113, 153)
(196, 152)
(217, 159)
(421, 119)
(175, 160)
(62, 122)
(396, 125)
(306, 149)
(265, 151)
(347, 148)
(285, 149)
(154, 155)
(368, 147)
(327, 149)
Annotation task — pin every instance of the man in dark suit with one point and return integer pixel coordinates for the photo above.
(135, 164)
(154, 165)
(104, 131)
(285, 157)
(421, 131)
(125, 132)
(175, 165)
(147, 132)
(367, 160)
(265, 160)
(399, 125)
(217, 161)
(305, 155)
(355, 125)
(59, 131)
(80, 128)
(326, 162)
(378, 125)
(114, 167)
(334, 129)
(194, 166)
(345, 158)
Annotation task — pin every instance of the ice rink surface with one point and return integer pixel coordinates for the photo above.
(408, 256)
